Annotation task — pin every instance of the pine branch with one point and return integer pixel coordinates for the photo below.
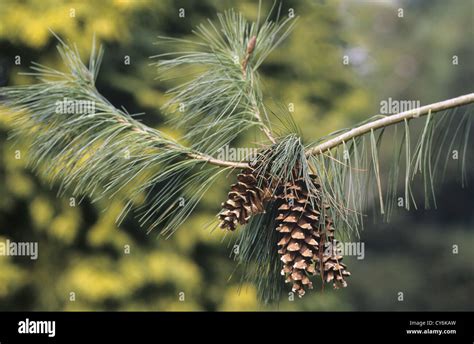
(217, 162)
(250, 48)
(103, 152)
(351, 172)
(225, 98)
(107, 153)
(390, 120)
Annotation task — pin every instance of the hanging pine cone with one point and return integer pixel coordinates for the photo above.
(246, 198)
(331, 267)
(303, 236)
(298, 225)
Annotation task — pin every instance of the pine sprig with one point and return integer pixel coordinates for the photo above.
(224, 99)
(105, 152)
(258, 257)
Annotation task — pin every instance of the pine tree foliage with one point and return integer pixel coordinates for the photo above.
(225, 97)
(108, 153)
(351, 173)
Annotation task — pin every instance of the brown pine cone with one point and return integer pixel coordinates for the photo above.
(247, 197)
(297, 223)
(303, 237)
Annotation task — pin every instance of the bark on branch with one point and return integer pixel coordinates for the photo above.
(360, 130)
(393, 119)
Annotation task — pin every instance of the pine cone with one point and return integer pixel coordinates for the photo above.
(331, 268)
(303, 236)
(298, 224)
(246, 198)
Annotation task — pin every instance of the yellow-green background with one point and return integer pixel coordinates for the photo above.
(81, 249)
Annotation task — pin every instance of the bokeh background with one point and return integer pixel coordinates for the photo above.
(81, 249)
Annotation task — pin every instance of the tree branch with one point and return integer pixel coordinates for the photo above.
(217, 162)
(144, 130)
(389, 120)
(250, 48)
(264, 127)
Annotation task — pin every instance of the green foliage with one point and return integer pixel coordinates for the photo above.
(81, 247)
(99, 153)
(258, 257)
(225, 98)
(351, 173)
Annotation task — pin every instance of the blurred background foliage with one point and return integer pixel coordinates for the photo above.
(83, 251)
